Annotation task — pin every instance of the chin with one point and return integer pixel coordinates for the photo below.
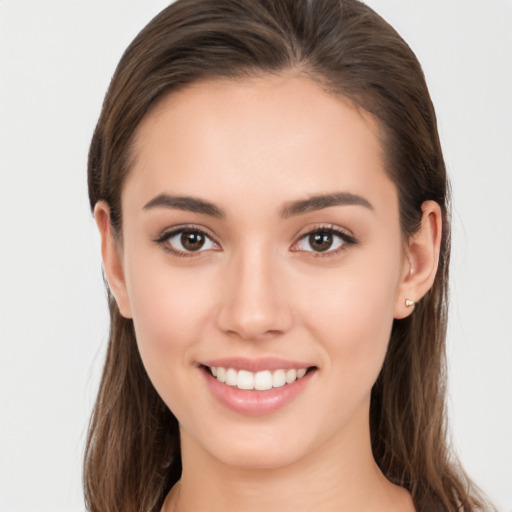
(258, 457)
(248, 448)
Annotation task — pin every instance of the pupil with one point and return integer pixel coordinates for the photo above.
(192, 241)
(321, 241)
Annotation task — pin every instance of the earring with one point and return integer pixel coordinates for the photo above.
(409, 303)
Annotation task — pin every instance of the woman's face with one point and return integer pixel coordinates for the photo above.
(261, 236)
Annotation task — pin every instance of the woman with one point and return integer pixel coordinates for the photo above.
(271, 195)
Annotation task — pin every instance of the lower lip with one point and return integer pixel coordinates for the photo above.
(254, 402)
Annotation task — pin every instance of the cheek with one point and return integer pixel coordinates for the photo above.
(169, 308)
(352, 313)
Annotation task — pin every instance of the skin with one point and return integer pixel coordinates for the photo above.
(259, 289)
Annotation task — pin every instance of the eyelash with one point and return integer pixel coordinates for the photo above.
(347, 240)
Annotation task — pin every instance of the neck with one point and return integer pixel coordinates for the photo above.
(340, 475)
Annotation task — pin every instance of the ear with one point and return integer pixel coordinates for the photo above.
(112, 258)
(421, 261)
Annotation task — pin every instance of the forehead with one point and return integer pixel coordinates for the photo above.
(225, 138)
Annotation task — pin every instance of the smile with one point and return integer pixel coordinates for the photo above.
(256, 387)
(259, 381)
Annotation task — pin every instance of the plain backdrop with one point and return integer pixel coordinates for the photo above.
(56, 60)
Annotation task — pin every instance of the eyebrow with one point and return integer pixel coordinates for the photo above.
(190, 204)
(321, 201)
(291, 209)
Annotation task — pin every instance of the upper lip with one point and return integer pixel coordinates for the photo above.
(256, 365)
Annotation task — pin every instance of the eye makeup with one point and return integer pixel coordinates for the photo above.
(191, 240)
(322, 234)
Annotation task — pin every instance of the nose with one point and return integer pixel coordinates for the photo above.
(253, 298)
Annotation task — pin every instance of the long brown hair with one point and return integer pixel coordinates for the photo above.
(132, 457)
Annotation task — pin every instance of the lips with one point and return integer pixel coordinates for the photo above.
(256, 386)
(257, 365)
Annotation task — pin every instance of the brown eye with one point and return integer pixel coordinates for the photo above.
(185, 242)
(328, 241)
(320, 241)
(192, 240)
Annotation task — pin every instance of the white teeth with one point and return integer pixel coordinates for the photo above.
(260, 381)
(291, 375)
(263, 381)
(231, 377)
(278, 378)
(245, 380)
(221, 374)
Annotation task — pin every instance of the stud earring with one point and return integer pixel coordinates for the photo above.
(409, 303)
